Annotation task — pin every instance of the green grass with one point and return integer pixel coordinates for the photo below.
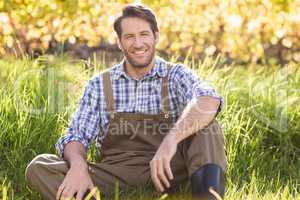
(261, 122)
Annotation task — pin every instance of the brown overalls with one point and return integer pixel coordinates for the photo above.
(131, 142)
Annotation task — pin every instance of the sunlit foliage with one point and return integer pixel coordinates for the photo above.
(244, 30)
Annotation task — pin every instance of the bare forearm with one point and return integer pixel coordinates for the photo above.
(196, 115)
(75, 154)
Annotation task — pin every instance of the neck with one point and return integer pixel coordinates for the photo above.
(138, 73)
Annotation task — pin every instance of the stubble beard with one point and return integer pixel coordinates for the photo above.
(137, 65)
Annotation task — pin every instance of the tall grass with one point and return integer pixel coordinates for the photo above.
(260, 119)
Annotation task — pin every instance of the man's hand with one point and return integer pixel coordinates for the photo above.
(161, 172)
(77, 181)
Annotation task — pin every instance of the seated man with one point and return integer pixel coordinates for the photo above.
(153, 121)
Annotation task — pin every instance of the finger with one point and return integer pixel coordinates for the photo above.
(59, 191)
(80, 194)
(154, 176)
(91, 193)
(168, 170)
(66, 198)
(161, 174)
(68, 193)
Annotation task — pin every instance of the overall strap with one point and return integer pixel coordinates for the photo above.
(165, 92)
(108, 93)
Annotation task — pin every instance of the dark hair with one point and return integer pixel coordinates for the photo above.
(136, 10)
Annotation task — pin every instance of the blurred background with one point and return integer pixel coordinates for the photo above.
(256, 31)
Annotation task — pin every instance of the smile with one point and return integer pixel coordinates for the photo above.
(140, 52)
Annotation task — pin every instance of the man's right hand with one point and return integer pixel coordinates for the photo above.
(77, 181)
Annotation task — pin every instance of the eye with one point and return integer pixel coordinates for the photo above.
(128, 36)
(145, 34)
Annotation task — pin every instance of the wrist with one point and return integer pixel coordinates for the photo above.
(173, 137)
(78, 163)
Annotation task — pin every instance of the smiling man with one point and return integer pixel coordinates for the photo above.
(153, 123)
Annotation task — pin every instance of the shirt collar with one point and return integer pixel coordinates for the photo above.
(159, 69)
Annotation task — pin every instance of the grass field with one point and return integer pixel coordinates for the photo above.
(261, 120)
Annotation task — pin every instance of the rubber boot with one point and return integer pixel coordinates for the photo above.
(208, 182)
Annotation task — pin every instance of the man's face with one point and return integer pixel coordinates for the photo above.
(137, 42)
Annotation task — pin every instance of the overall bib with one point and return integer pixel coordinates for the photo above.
(129, 145)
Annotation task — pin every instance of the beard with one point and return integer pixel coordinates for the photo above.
(138, 63)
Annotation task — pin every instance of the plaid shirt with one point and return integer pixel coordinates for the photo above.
(132, 95)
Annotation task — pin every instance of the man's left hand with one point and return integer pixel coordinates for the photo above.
(160, 165)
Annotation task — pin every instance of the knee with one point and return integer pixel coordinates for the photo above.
(34, 168)
(213, 128)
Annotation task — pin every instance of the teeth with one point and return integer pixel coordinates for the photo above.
(139, 52)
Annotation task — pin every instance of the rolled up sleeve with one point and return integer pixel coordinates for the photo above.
(85, 122)
(189, 85)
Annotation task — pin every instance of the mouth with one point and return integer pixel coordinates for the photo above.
(139, 53)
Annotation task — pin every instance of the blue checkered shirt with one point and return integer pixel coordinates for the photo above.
(132, 95)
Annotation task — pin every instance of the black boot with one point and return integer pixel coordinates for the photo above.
(206, 177)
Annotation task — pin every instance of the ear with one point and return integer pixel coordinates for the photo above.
(156, 37)
(119, 44)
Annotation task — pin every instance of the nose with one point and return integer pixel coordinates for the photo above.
(138, 42)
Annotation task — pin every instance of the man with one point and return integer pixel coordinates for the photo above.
(152, 121)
